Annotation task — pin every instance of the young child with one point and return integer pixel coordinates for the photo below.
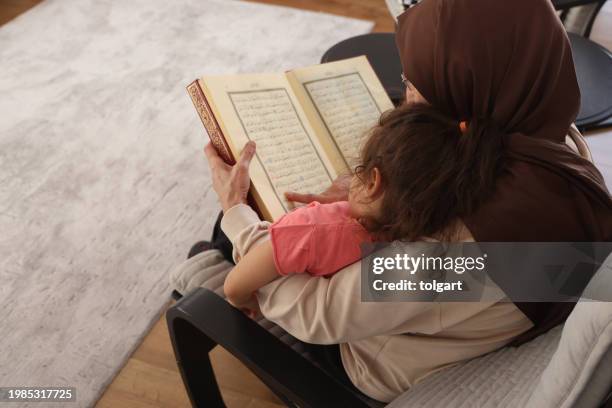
(401, 173)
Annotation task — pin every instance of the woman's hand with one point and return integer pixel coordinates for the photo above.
(338, 191)
(231, 183)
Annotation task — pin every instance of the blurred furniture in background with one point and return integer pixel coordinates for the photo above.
(578, 16)
(594, 72)
(382, 54)
(592, 66)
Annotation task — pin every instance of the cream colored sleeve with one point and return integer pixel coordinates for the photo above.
(325, 310)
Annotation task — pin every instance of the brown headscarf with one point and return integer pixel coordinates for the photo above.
(510, 63)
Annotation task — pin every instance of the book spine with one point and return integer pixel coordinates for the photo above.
(215, 134)
(210, 122)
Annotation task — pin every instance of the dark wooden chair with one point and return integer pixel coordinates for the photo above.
(201, 320)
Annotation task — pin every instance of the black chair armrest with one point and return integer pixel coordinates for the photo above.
(201, 320)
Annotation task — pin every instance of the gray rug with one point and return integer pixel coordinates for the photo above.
(103, 185)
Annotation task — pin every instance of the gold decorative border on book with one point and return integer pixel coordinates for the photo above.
(209, 122)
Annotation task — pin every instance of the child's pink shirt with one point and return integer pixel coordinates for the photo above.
(319, 239)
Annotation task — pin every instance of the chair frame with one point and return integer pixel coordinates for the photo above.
(202, 320)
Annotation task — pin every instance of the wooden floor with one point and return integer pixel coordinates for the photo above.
(9, 9)
(150, 377)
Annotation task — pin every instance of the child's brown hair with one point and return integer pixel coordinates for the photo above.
(432, 172)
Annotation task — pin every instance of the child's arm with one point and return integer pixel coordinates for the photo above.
(255, 270)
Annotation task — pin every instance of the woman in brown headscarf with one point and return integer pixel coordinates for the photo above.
(505, 68)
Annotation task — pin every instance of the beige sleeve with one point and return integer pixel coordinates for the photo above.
(325, 310)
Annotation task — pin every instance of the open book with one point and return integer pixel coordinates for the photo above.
(308, 124)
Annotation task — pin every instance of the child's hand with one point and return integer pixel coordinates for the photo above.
(338, 191)
(250, 308)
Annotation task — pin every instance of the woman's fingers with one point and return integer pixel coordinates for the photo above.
(231, 183)
(247, 155)
(214, 160)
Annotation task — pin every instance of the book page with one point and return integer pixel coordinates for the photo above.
(344, 100)
(263, 108)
